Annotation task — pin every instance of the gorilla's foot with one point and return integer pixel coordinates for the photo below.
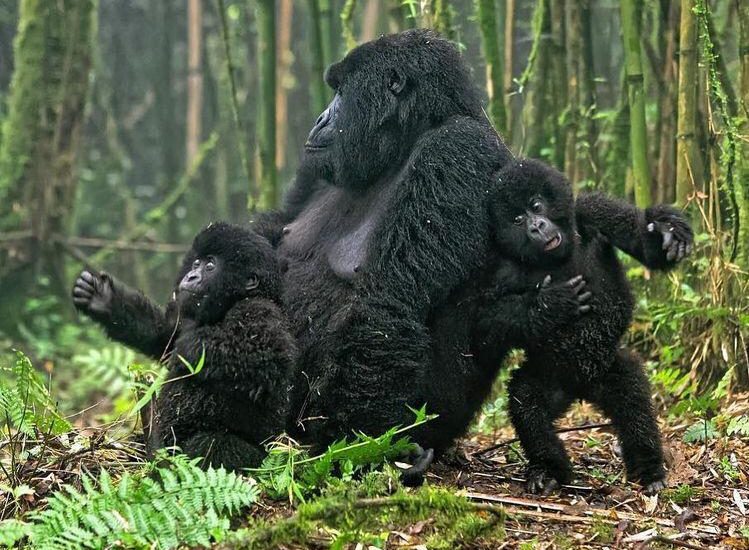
(655, 487)
(541, 482)
(422, 459)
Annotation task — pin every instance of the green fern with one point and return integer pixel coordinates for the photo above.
(172, 504)
(25, 402)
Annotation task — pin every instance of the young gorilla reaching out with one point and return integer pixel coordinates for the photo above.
(226, 307)
(559, 292)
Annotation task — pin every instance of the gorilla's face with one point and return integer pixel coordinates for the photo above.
(533, 214)
(226, 263)
(387, 93)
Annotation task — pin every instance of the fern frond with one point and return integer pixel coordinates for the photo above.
(177, 504)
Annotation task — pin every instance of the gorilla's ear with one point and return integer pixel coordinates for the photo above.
(396, 81)
(252, 282)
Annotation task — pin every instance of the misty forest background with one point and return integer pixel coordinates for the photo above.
(127, 125)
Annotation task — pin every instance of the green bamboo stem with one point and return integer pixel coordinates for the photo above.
(266, 128)
(631, 15)
(486, 14)
(687, 160)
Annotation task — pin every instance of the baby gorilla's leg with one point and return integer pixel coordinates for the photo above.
(623, 394)
(222, 449)
(534, 404)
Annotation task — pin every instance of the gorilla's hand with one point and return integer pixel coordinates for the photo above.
(569, 297)
(671, 229)
(93, 293)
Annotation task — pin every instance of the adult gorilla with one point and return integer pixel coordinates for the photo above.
(385, 224)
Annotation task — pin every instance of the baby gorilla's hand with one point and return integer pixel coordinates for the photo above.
(569, 297)
(92, 294)
(671, 228)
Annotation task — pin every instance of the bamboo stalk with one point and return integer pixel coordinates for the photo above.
(266, 128)
(194, 79)
(486, 14)
(743, 16)
(687, 163)
(631, 14)
(509, 39)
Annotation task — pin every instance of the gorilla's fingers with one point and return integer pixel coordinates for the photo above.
(668, 236)
(655, 487)
(547, 281)
(584, 297)
(81, 284)
(583, 309)
(575, 281)
(87, 276)
(82, 293)
(671, 254)
(651, 227)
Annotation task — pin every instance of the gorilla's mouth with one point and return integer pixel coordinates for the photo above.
(553, 243)
(317, 147)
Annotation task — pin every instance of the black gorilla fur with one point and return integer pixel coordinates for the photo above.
(383, 230)
(569, 326)
(240, 396)
(385, 224)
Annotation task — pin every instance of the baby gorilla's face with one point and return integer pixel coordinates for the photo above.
(533, 231)
(194, 289)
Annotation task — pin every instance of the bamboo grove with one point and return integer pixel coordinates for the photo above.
(114, 162)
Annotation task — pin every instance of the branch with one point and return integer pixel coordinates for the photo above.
(486, 451)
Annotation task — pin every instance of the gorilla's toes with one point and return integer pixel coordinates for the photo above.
(541, 482)
(655, 487)
(414, 476)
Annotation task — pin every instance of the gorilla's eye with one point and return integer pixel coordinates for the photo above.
(519, 220)
(210, 263)
(196, 264)
(537, 206)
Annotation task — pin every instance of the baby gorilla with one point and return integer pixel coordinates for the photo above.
(559, 292)
(227, 312)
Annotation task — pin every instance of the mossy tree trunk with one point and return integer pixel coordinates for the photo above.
(631, 13)
(688, 166)
(534, 77)
(41, 139)
(266, 127)
(486, 13)
(558, 97)
(321, 52)
(509, 50)
(743, 13)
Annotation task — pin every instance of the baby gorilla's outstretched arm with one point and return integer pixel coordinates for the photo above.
(659, 237)
(127, 315)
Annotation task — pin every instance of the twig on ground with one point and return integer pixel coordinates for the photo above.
(488, 450)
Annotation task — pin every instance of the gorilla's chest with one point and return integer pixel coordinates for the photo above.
(335, 231)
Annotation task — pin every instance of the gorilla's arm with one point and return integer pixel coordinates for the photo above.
(659, 236)
(436, 233)
(270, 224)
(127, 315)
(521, 318)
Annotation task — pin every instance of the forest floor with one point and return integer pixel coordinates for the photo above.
(706, 505)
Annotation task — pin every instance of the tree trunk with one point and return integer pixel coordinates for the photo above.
(534, 109)
(559, 81)
(743, 13)
(487, 16)
(370, 21)
(588, 157)
(688, 166)
(509, 48)
(347, 24)
(194, 79)
(667, 147)
(573, 31)
(283, 47)
(266, 127)
(40, 143)
(631, 14)
(320, 57)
